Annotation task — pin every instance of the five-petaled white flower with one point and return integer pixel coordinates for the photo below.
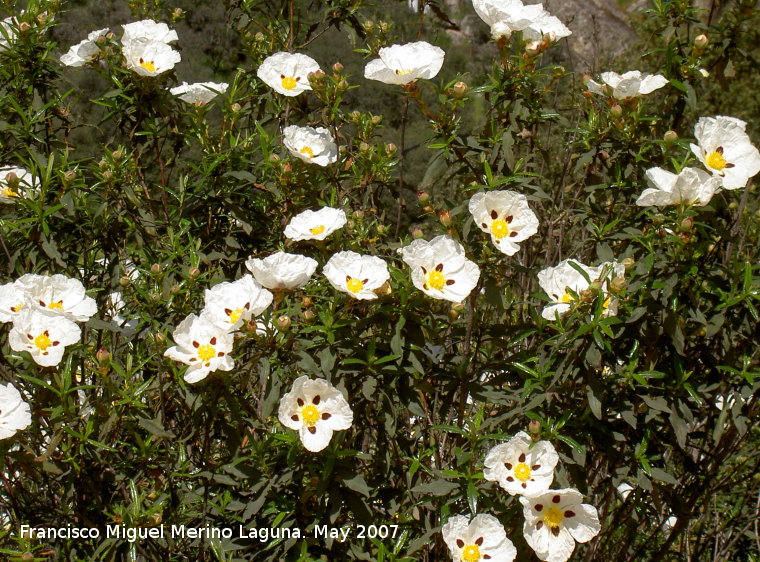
(555, 520)
(440, 268)
(507, 16)
(282, 270)
(45, 337)
(287, 73)
(228, 305)
(149, 58)
(506, 216)
(691, 187)
(199, 93)
(57, 295)
(401, 64)
(203, 346)
(14, 411)
(520, 468)
(315, 146)
(315, 409)
(481, 539)
(356, 274)
(315, 225)
(14, 182)
(148, 30)
(629, 85)
(558, 281)
(84, 51)
(725, 150)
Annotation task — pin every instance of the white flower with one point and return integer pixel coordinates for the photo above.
(507, 16)
(624, 489)
(555, 520)
(14, 412)
(84, 51)
(57, 295)
(149, 30)
(282, 270)
(203, 346)
(228, 305)
(690, 187)
(482, 539)
(315, 146)
(559, 280)
(440, 268)
(401, 64)
(355, 274)
(12, 301)
(725, 150)
(520, 468)
(631, 84)
(114, 306)
(45, 337)
(287, 73)
(149, 58)
(506, 216)
(19, 178)
(315, 225)
(199, 93)
(315, 409)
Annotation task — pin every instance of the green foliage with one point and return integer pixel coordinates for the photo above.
(144, 194)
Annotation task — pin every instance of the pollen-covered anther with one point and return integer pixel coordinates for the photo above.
(148, 65)
(317, 230)
(307, 151)
(289, 82)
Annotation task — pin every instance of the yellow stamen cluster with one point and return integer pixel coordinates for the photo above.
(289, 83)
(567, 297)
(499, 229)
(716, 161)
(206, 352)
(307, 151)
(8, 192)
(435, 280)
(310, 414)
(317, 230)
(148, 65)
(235, 315)
(58, 305)
(522, 472)
(354, 285)
(43, 341)
(471, 553)
(554, 517)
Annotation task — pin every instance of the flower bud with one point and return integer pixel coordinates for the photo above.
(459, 90)
(384, 26)
(236, 107)
(534, 47)
(670, 136)
(124, 281)
(24, 26)
(659, 218)
(423, 196)
(595, 287)
(628, 263)
(417, 232)
(587, 295)
(616, 109)
(159, 337)
(68, 177)
(686, 224)
(107, 175)
(701, 41)
(309, 315)
(363, 147)
(534, 427)
(174, 289)
(274, 158)
(445, 217)
(369, 26)
(306, 302)
(390, 149)
(337, 68)
(384, 289)
(428, 208)
(193, 272)
(103, 356)
(358, 214)
(617, 285)
(12, 181)
(117, 154)
(283, 323)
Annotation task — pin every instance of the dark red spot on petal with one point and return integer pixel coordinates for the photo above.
(510, 479)
(535, 467)
(494, 214)
(460, 543)
(450, 282)
(196, 344)
(479, 542)
(555, 531)
(509, 218)
(212, 341)
(539, 507)
(522, 457)
(312, 429)
(300, 402)
(539, 525)
(326, 416)
(569, 513)
(509, 466)
(556, 498)
(439, 267)
(294, 417)
(316, 399)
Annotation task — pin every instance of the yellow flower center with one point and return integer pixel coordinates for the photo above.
(471, 553)
(56, 305)
(499, 228)
(435, 280)
(317, 230)
(235, 315)
(8, 192)
(310, 414)
(289, 83)
(354, 285)
(522, 472)
(567, 297)
(206, 352)
(148, 65)
(716, 161)
(43, 341)
(402, 72)
(18, 307)
(606, 303)
(553, 517)
(307, 151)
